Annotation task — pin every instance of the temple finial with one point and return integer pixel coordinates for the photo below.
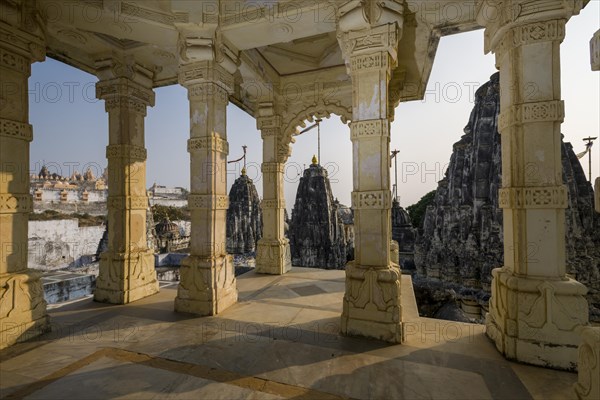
(314, 160)
(244, 171)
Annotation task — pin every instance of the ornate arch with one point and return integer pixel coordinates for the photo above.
(318, 110)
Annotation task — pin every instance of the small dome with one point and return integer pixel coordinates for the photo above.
(167, 228)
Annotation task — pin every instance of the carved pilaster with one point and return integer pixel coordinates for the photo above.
(127, 268)
(273, 254)
(208, 284)
(22, 305)
(368, 34)
(535, 309)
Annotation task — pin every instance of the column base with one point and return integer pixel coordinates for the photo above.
(588, 384)
(22, 307)
(207, 286)
(126, 277)
(372, 303)
(536, 320)
(273, 257)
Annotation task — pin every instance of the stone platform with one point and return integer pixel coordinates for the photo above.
(280, 341)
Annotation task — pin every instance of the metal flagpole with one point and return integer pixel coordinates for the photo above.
(589, 144)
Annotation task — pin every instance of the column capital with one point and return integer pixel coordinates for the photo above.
(366, 15)
(210, 46)
(518, 22)
(373, 48)
(18, 49)
(124, 91)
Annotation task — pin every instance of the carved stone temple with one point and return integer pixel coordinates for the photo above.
(286, 63)
(463, 239)
(317, 235)
(244, 216)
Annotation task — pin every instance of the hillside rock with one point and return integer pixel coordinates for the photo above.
(462, 238)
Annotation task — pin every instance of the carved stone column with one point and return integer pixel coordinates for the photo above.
(535, 308)
(22, 305)
(127, 268)
(273, 253)
(371, 304)
(208, 284)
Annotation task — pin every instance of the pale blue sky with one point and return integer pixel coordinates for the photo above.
(70, 126)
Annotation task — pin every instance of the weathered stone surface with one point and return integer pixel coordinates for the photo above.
(244, 217)
(346, 215)
(317, 237)
(462, 238)
(405, 235)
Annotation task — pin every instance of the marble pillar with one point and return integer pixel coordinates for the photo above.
(22, 305)
(127, 270)
(208, 284)
(369, 40)
(535, 308)
(273, 254)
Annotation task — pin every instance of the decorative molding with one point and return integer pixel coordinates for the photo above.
(208, 201)
(273, 121)
(16, 130)
(15, 62)
(127, 151)
(547, 197)
(129, 104)
(127, 202)
(539, 32)
(272, 167)
(22, 43)
(272, 203)
(376, 199)
(213, 143)
(541, 111)
(382, 38)
(123, 93)
(11, 203)
(368, 62)
(205, 91)
(369, 128)
(536, 32)
(205, 71)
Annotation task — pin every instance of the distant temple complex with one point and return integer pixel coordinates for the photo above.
(76, 193)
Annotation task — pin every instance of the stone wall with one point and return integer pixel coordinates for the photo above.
(62, 243)
(462, 238)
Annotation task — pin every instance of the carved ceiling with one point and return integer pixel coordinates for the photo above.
(275, 39)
